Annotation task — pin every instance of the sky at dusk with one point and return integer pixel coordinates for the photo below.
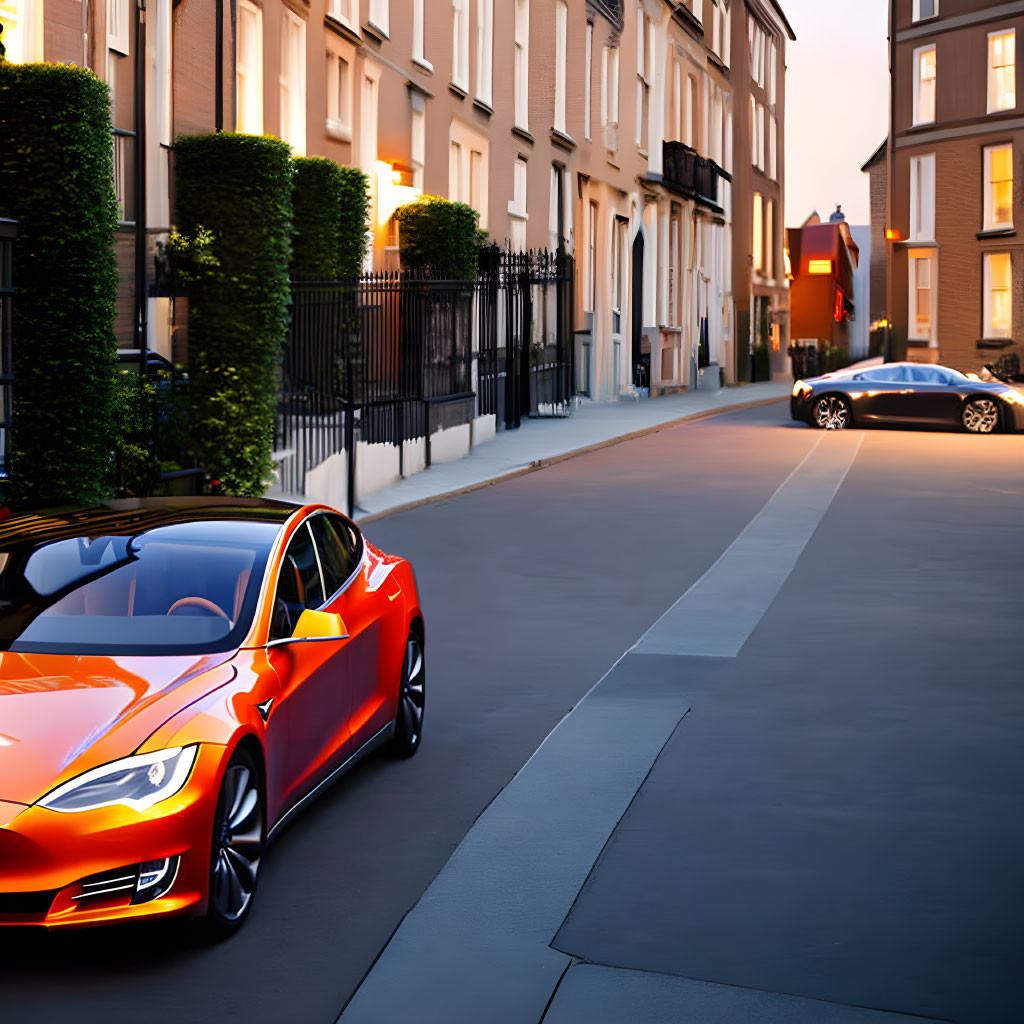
(837, 99)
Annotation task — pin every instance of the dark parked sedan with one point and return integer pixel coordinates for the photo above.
(907, 393)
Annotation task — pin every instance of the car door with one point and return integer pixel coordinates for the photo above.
(342, 556)
(893, 401)
(308, 725)
(870, 392)
(935, 400)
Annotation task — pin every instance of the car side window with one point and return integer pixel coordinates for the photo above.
(340, 548)
(926, 375)
(299, 585)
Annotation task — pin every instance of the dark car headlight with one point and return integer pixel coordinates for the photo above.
(801, 389)
(138, 782)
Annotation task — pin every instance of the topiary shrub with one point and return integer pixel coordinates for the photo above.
(329, 220)
(238, 188)
(57, 180)
(439, 238)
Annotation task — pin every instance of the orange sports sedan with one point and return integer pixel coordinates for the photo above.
(178, 677)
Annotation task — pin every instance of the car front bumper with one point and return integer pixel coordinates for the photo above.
(68, 870)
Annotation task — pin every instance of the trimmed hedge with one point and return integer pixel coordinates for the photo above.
(439, 238)
(331, 204)
(239, 188)
(57, 180)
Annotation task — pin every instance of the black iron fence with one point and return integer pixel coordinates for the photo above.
(811, 361)
(391, 358)
(8, 232)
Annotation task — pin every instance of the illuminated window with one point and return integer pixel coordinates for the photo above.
(293, 82)
(1002, 89)
(925, 9)
(769, 238)
(998, 187)
(758, 239)
(922, 289)
(922, 197)
(998, 303)
(484, 49)
(249, 69)
(924, 85)
(522, 63)
(22, 21)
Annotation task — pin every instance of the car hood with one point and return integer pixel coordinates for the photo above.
(61, 715)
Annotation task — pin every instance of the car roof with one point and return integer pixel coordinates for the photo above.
(134, 515)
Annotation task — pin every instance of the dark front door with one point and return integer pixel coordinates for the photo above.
(637, 310)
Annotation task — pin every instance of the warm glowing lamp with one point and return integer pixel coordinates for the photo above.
(893, 234)
(819, 267)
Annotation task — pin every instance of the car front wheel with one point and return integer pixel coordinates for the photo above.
(831, 413)
(980, 416)
(411, 699)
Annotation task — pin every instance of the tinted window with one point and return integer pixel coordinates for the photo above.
(885, 373)
(340, 548)
(299, 585)
(188, 588)
(928, 375)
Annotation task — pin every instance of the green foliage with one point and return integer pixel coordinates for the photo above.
(439, 238)
(239, 187)
(762, 366)
(57, 180)
(184, 260)
(331, 204)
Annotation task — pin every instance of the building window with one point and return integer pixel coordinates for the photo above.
(418, 148)
(118, 26)
(769, 238)
(715, 142)
(997, 300)
(460, 44)
(673, 267)
(517, 207)
(691, 135)
(293, 82)
(345, 11)
(772, 59)
(757, 44)
(418, 55)
(619, 283)
(522, 65)
(758, 239)
(922, 285)
(924, 85)
(339, 98)
(22, 22)
(998, 187)
(591, 290)
(644, 69)
(368, 127)
(922, 197)
(476, 182)
(925, 9)
(721, 36)
(588, 72)
(773, 149)
(380, 15)
(1002, 79)
(561, 19)
(610, 87)
(455, 193)
(249, 69)
(484, 49)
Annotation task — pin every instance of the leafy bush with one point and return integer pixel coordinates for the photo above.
(183, 260)
(239, 188)
(439, 238)
(57, 180)
(329, 221)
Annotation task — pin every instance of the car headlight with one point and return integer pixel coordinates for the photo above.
(137, 782)
(1014, 396)
(800, 388)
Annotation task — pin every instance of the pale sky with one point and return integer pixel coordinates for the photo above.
(837, 104)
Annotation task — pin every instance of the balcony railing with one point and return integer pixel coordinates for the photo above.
(692, 175)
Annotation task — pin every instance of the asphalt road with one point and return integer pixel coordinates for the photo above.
(532, 589)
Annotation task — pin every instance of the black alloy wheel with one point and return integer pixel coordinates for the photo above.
(980, 416)
(831, 412)
(239, 839)
(411, 698)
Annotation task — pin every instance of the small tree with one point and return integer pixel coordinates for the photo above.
(331, 203)
(439, 238)
(57, 180)
(238, 188)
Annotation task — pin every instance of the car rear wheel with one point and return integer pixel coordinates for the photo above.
(831, 412)
(980, 416)
(239, 838)
(411, 700)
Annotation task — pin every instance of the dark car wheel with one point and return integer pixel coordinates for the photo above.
(239, 838)
(980, 416)
(831, 412)
(411, 699)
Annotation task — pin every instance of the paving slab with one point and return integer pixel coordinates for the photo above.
(591, 994)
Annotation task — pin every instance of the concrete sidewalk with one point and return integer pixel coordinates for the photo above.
(539, 442)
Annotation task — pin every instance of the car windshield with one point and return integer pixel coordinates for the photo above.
(187, 588)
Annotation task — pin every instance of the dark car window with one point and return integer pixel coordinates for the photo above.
(299, 585)
(340, 547)
(187, 588)
(928, 375)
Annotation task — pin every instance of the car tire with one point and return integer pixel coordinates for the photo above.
(980, 416)
(831, 412)
(411, 699)
(239, 840)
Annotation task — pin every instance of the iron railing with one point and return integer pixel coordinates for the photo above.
(8, 232)
(684, 171)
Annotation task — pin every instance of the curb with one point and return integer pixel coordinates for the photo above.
(552, 460)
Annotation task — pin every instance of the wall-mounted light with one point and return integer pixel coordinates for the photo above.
(390, 193)
(893, 234)
(819, 267)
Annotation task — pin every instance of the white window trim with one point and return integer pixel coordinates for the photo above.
(913, 331)
(460, 44)
(380, 17)
(336, 12)
(917, 85)
(920, 223)
(990, 107)
(296, 90)
(339, 127)
(561, 74)
(417, 36)
(256, 129)
(927, 17)
(986, 324)
(119, 26)
(988, 220)
(588, 72)
(485, 51)
(521, 83)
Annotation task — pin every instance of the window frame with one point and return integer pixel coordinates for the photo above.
(293, 48)
(257, 88)
(922, 197)
(485, 51)
(561, 65)
(987, 295)
(918, 16)
(460, 45)
(993, 91)
(919, 52)
(521, 69)
(989, 223)
(379, 17)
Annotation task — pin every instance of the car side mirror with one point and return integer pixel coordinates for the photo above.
(319, 626)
